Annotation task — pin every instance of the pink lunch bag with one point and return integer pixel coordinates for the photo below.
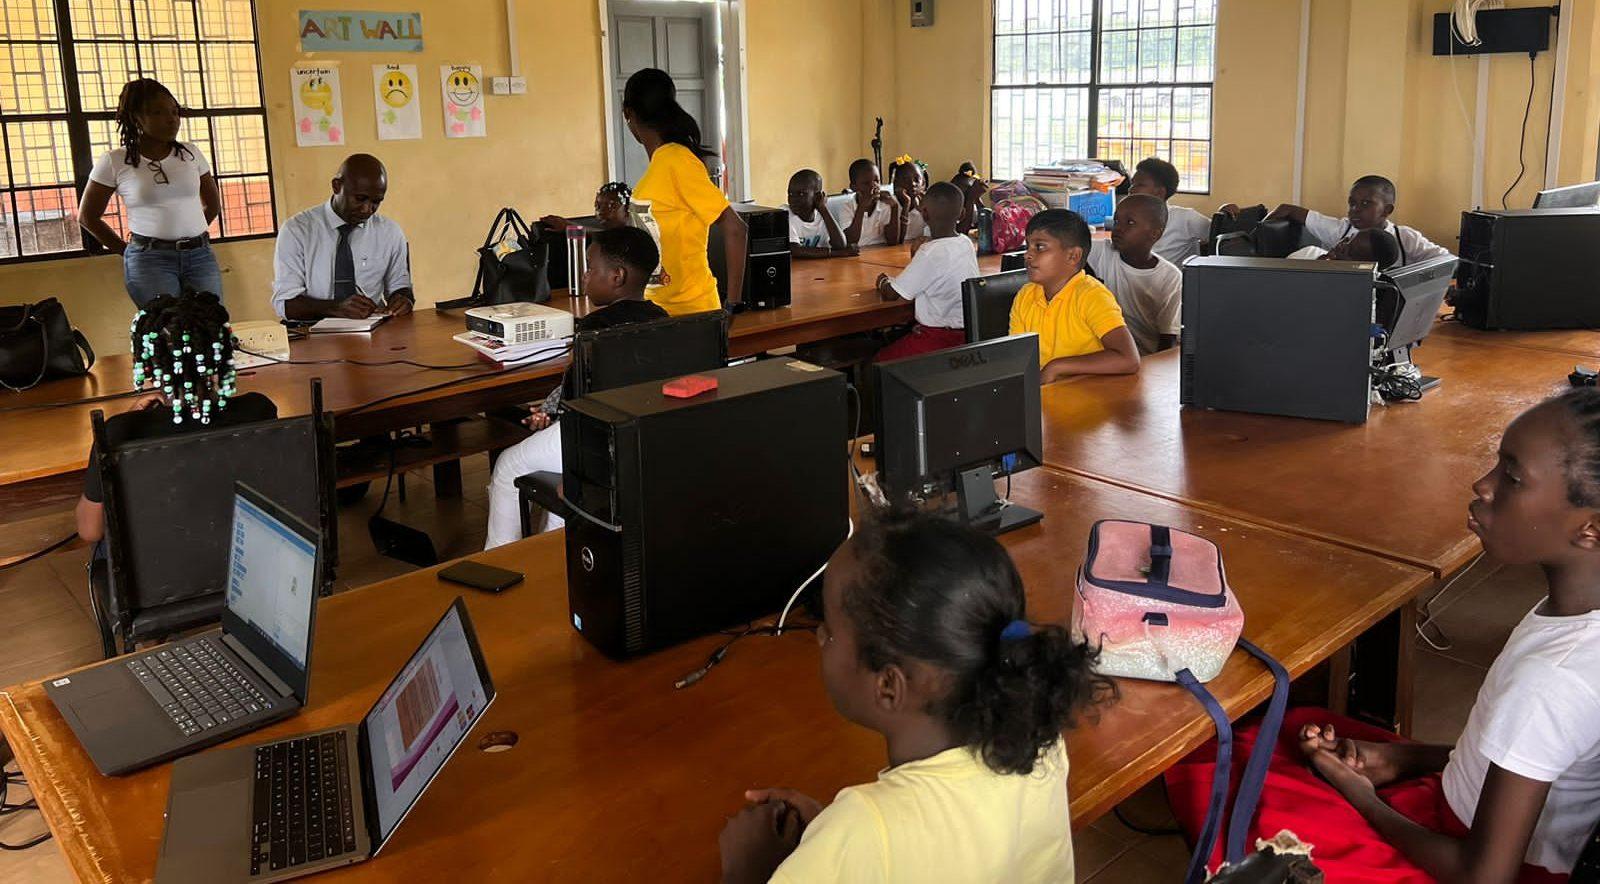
(1008, 231)
(1157, 603)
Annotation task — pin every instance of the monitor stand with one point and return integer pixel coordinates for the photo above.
(979, 507)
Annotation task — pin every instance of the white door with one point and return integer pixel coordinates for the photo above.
(679, 38)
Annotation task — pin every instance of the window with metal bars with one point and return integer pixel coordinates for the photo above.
(62, 65)
(1104, 79)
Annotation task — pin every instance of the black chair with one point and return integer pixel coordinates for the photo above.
(1267, 239)
(169, 508)
(1013, 261)
(1587, 869)
(986, 304)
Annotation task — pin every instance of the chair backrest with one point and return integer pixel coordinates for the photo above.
(986, 304)
(169, 502)
(1013, 260)
(1277, 238)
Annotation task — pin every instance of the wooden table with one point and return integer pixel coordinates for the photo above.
(1582, 344)
(1396, 486)
(830, 298)
(618, 777)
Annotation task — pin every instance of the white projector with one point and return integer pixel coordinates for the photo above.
(520, 323)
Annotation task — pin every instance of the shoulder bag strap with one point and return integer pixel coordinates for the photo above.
(1220, 778)
(1160, 554)
(83, 346)
(1255, 770)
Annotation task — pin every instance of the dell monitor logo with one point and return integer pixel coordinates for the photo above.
(968, 360)
(587, 558)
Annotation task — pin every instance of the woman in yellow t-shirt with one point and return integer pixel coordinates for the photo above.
(677, 202)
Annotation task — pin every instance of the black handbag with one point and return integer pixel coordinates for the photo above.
(512, 264)
(38, 344)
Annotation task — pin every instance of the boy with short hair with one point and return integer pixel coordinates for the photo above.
(1148, 287)
(1186, 229)
(871, 217)
(1377, 246)
(620, 262)
(813, 232)
(932, 281)
(1371, 202)
(1080, 327)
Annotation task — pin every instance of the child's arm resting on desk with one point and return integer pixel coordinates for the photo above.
(1120, 356)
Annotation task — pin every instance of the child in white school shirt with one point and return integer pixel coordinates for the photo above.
(1371, 202)
(1148, 287)
(1186, 230)
(932, 281)
(813, 232)
(871, 217)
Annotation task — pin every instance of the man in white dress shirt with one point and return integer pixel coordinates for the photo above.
(342, 258)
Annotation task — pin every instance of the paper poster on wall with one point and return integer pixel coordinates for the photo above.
(366, 30)
(394, 95)
(462, 85)
(318, 107)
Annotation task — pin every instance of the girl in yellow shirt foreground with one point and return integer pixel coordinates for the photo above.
(924, 640)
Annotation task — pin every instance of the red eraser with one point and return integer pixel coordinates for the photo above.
(688, 386)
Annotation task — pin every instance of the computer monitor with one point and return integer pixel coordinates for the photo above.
(986, 304)
(646, 351)
(1577, 196)
(1013, 260)
(957, 418)
(1408, 301)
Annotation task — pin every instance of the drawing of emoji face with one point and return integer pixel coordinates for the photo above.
(317, 94)
(463, 89)
(396, 88)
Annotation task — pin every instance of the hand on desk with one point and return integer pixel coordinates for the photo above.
(356, 306)
(757, 840)
(400, 307)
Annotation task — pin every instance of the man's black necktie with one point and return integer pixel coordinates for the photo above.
(344, 265)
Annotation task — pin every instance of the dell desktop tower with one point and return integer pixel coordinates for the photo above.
(766, 270)
(1529, 269)
(693, 515)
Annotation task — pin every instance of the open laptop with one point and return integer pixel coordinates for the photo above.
(333, 797)
(139, 709)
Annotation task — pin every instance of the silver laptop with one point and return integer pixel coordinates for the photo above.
(136, 710)
(334, 797)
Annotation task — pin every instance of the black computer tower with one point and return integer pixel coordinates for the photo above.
(766, 272)
(1529, 269)
(692, 515)
(1278, 336)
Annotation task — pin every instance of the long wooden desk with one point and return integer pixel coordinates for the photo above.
(618, 777)
(830, 298)
(1396, 486)
(1583, 344)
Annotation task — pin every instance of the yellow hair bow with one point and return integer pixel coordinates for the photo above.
(904, 160)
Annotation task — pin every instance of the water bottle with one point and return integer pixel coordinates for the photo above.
(577, 260)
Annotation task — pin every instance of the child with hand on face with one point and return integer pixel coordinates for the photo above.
(813, 232)
(1187, 230)
(1080, 327)
(925, 639)
(872, 218)
(932, 281)
(1148, 287)
(610, 208)
(1517, 796)
(620, 261)
(910, 182)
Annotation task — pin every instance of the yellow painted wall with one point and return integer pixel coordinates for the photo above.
(544, 151)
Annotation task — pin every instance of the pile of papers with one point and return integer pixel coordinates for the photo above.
(1066, 176)
(497, 350)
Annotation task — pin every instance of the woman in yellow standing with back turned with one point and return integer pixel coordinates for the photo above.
(677, 202)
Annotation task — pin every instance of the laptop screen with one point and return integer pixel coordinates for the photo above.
(422, 717)
(272, 578)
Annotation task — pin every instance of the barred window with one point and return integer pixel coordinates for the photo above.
(63, 64)
(1107, 79)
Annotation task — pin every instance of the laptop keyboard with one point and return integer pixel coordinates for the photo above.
(197, 686)
(302, 810)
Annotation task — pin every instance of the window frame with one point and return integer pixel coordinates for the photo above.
(77, 121)
(1094, 86)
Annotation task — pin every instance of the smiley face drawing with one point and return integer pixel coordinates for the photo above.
(396, 88)
(463, 89)
(317, 94)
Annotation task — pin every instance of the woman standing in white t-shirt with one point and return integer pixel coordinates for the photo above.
(170, 194)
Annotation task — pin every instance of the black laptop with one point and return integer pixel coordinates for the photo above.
(333, 797)
(143, 708)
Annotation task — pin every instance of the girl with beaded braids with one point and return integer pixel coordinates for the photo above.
(182, 347)
(610, 208)
(925, 640)
(169, 192)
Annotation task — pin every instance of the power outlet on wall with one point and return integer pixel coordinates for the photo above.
(922, 13)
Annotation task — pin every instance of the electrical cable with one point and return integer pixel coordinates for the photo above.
(722, 651)
(362, 362)
(1522, 165)
(41, 552)
(515, 365)
(5, 809)
(1444, 643)
(87, 400)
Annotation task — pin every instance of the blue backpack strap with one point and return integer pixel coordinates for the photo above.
(1160, 554)
(1255, 770)
(1220, 779)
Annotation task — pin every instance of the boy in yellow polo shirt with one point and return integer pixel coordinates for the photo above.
(1080, 326)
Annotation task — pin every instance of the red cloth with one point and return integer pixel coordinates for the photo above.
(1344, 845)
(922, 339)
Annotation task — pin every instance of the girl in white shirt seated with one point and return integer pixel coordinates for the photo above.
(1518, 794)
(924, 640)
(909, 177)
(170, 195)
